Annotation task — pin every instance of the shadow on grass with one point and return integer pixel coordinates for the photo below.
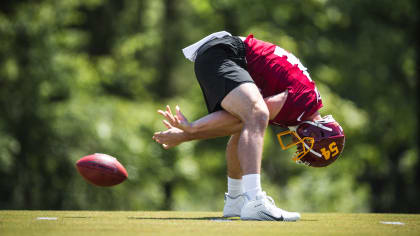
(217, 219)
(184, 218)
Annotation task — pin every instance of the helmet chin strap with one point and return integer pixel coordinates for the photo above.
(311, 150)
(294, 128)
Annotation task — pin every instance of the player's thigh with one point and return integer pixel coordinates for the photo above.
(245, 102)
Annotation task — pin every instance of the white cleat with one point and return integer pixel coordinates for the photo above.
(233, 205)
(263, 208)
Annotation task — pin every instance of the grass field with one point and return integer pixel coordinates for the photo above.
(198, 223)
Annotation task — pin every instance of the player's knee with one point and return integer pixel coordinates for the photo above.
(259, 115)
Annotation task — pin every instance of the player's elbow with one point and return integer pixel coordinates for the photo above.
(275, 103)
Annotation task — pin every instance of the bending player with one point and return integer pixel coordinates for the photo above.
(247, 84)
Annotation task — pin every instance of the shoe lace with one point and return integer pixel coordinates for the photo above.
(264, 194)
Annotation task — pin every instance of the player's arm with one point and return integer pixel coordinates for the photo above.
(216, 124)
(222, 123)
(275, 103)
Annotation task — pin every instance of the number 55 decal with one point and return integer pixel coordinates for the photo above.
(332, 152)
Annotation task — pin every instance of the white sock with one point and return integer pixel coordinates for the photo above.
(252, 185)
(234, 187)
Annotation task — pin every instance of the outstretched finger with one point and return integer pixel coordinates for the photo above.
(168, 109)
(168, 116)
(167, 124)
(179, 113)
(162, 113)
(178, 122)
(171, 119)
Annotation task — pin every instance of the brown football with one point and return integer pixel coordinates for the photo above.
(101, 169)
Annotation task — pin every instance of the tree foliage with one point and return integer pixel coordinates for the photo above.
(78, 77)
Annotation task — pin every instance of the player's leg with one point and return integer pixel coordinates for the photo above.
(234, 198)
(246, 103)
(234, 170)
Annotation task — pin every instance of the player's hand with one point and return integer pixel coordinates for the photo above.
(170, 138)
(177, 120)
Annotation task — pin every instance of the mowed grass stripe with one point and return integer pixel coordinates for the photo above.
(172, 223)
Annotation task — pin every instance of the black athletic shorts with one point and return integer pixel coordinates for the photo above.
(220, 66)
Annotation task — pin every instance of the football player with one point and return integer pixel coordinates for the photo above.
(247, 84)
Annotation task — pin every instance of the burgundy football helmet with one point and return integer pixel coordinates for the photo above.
(319, 143)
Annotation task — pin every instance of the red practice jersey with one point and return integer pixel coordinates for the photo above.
(274, 70)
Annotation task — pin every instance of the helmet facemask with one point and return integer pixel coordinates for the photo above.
(306, 143)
